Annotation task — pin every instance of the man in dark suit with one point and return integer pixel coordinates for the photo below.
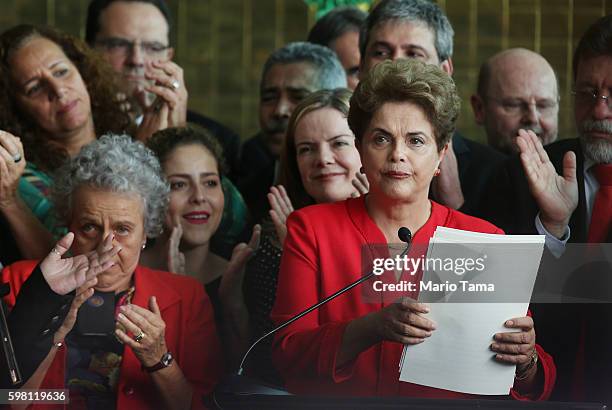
(289, 75)
(564, 191)
(517, 88)
(133, 36)
(419, 29)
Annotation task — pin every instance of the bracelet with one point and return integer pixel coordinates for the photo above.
(525, 372)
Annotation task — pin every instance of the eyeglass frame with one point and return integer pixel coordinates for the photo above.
(594, 95)
(125, 46)
(524, 106)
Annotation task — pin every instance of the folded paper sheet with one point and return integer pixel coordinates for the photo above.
(457, 356)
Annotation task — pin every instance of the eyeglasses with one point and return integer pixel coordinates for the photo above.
(516, 107)
(125, 47)
(590, 97)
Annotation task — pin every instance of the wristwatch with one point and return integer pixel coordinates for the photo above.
(165, 361)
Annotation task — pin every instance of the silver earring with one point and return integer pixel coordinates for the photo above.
(144, 245)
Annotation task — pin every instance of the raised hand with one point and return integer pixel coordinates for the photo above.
(230, 289)
(155, 118)
(446, 188)
(176, 258)
(169, 87)
(12, 165)
(66, 274)
(148, 330)
(361, 184)
(82, 294)
(281, 207)
(556, 195)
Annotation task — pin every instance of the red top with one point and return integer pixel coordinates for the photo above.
(190, 336)
(322, 255)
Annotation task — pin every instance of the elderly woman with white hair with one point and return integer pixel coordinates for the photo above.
(116, 334)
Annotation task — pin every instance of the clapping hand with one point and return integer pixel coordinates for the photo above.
(82, 294)
(446, 187)
(176, 258)
(66, 274)
(230, 289)
(361, 184)
(12, 165)
(169, 87)
(148, 330)
(281, 207)
(556, 195)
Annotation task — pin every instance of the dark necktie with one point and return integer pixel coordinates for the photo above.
(601, 218)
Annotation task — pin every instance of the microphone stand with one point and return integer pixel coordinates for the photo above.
(5, 340)
(403, 233)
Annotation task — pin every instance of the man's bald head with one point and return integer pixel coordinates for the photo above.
(517, 88)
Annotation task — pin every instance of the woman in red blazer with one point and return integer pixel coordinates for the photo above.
(403, 115)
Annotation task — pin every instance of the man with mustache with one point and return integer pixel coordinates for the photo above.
(289, 75)
(564, 191)
(517, 89)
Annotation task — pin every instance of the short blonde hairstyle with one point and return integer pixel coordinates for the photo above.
(413, 81)
(289, 175)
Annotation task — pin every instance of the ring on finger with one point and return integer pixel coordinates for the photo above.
(139, 337)
(55, 251)
(17, 157)
(175, 83)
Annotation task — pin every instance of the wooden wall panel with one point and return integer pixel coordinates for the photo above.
(222, 44)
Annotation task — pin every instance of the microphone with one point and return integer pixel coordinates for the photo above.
(6, 342)
(404, 235)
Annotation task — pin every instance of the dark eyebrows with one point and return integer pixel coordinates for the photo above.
(188, 176)
(381, 44)
(327, 140)
(51, 67)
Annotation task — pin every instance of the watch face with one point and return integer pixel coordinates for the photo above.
(167, 359)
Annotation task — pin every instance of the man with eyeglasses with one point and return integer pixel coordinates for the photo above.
(517, 89)
(419, 29)
(133, 36)
(564, 191)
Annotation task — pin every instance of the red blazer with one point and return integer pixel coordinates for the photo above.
(190, 336)
(321, 255)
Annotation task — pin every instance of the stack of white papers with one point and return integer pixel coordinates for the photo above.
(457, 355)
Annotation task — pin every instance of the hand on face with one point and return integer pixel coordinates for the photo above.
(168, 108)
(169, 87)
(147, 330)
(65, 275)
(12, 165)
(556, 195)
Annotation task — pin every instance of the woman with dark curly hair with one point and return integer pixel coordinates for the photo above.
(56, 95)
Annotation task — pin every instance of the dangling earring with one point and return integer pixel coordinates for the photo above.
(437, 172)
